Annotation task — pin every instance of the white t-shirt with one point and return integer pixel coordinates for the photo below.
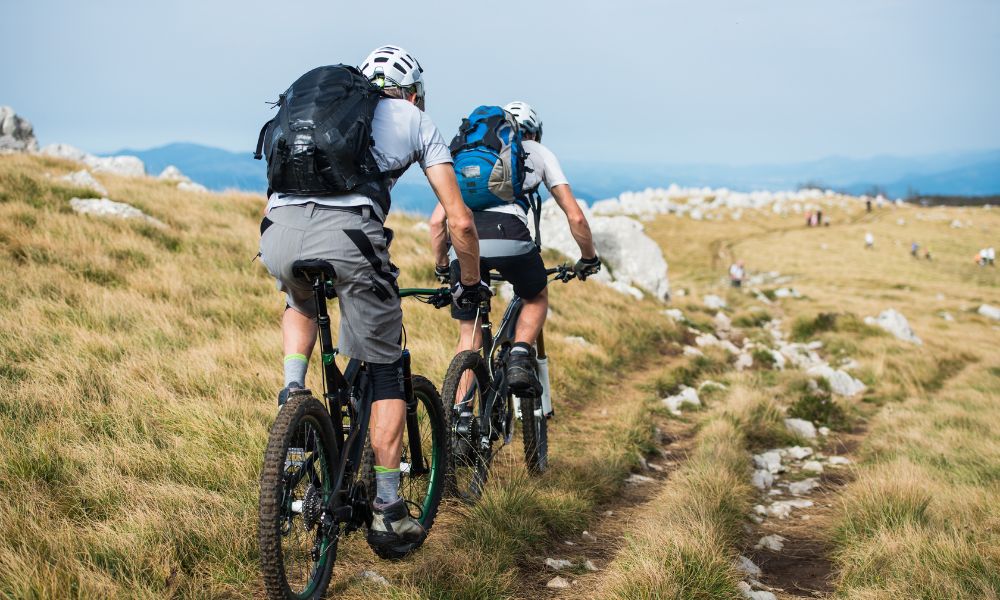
(544, 169)
(403, 135)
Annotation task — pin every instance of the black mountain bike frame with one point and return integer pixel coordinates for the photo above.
(348, 397)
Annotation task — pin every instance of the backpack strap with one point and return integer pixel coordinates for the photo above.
(257, 155)
(535, 202)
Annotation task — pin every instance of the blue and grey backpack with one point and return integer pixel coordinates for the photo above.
(489, 159)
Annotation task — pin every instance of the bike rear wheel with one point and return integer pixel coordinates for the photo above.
(421, 485)
(466, 388)
(297, 551)
(534, 430)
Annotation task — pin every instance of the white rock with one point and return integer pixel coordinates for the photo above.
(769, 461)
(64, 151)
(813, 466)
(762, 479)
(787, 293)
(172, 173)
(675, 314)
(760, 509)
(824, 431)
(190, 186)
(839, 460)
(801, 428)
(947, 316)
(374, 577)
(588, 537)
(841, 383)
(84, 179)
(743, 361)
(636, 479)
(557, 583)
(749, 593)
(576, 340)
(106, 208)
(801, 488)
(783, 508)
(772, 542)
(421, 226)
(747, 566)
(729, 347)
(692, 351)
(714, 302)
(687, 395)
(16, 132)
(631, 256)
(558, 564)
(590, 566)
(506, 291)
(708, 383)
(706, 340)
(796, 452)
(895, 323)
(127, 166)
(722, 322)
(989, 311)
(626, 289)
(779, 359)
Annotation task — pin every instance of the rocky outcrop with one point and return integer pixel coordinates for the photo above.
(16, 133)
(128, 166)
(990, 311)
(102, 207)
(83, 179)
(172, 173)
(631, 258)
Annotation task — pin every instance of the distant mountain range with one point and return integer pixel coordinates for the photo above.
(975, 173)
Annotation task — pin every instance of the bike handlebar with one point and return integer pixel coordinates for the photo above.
(441, 297)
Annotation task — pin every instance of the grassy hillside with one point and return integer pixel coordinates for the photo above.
(139, 365)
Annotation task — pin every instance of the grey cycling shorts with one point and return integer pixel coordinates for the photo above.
(357, 246)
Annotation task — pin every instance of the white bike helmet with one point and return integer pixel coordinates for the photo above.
(393, 66)
(526, 117)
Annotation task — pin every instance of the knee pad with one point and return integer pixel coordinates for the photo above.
(387, 380)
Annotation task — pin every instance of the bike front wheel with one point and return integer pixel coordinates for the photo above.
(464, 395)
(297, 550)
(534, 430)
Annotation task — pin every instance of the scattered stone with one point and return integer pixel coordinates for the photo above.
(557, 583)
(558, 564)
(84, 179)
(578, 341)
(655, 467)
(813, 466)
(824, 431)
(190, 186)
(769, 461)
(103, 207)
(722, 322)
(772, 542)
(709, 384)
(687, 395)
(706, 340)
(588, 537)
(783, 508)
(590, 566)
(841, 382)
(714, 302)
(172, 173)
(692, 351)
(797, 452)
(801, 428)
(787, 293)
(760, 509)
(374, 577)
(743, 361)
(421, 226)
(749, 593)
(674, 314)
(947, 316)
(506, 291)
(609, 513)
(989, 311)
(128, 166)
(801, 488)
(895, 323)
(747, 566)
(762, 479)
(839, 460)
(636, 479)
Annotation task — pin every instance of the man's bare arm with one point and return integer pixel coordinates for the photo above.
(578, 224)
(439, 236)
(461, 227)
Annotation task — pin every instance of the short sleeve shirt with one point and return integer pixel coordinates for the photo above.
(403, 135)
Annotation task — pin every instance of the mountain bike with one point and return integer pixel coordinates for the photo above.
(480, 407)
(317, 480)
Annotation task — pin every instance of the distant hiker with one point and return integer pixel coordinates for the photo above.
(914, 249)
(868, 205)
(927, 253)
(736, 274)
(869, 241)
(336, 214)
(819, 217)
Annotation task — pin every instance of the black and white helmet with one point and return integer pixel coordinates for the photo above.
(394, 67)
(526, 117)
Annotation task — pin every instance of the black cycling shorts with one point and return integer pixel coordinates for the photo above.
(526, 272)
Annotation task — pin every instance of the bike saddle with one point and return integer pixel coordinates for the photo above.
(311, 268)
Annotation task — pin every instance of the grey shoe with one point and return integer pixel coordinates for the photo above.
(287, 390)
(393, 532)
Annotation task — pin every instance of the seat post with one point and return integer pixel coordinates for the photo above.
(323, 319)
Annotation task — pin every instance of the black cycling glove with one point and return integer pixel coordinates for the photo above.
(465, 296)
(443, 274)
(585, 267)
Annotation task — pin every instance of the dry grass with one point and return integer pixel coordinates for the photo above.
(138, 368)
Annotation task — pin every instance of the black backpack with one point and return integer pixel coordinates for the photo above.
(319, 143)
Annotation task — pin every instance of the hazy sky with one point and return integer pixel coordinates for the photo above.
(729, 81)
